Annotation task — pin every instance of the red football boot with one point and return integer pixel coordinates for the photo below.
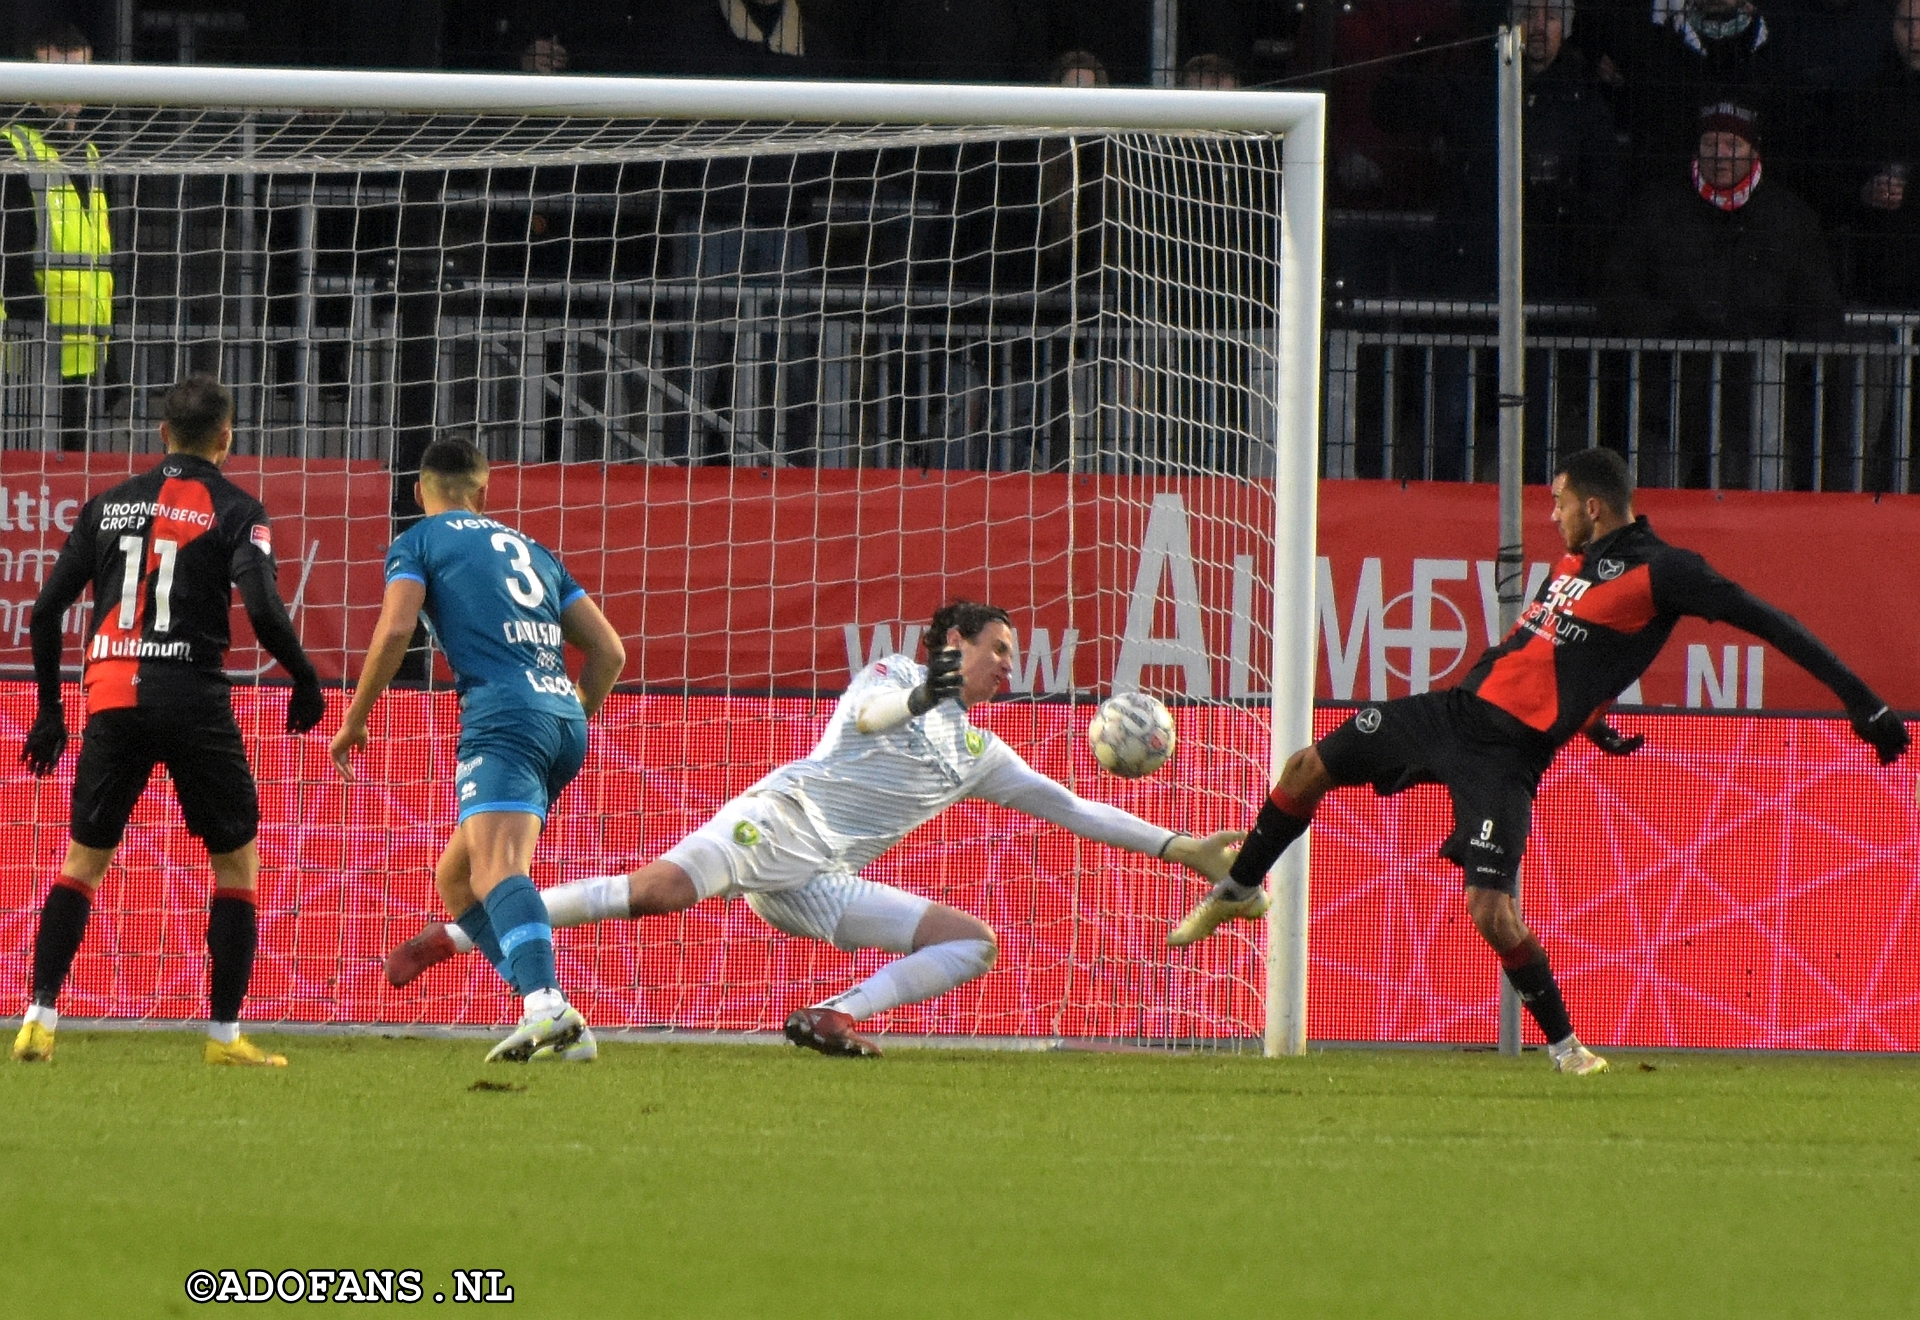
(430, 946)
(829, 1031)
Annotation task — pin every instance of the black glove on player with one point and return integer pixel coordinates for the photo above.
(306, 706)
(1613, 742)
(943, 680)
(1883, 731)
(46, 740)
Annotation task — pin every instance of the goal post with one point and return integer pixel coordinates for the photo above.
(1073, 332)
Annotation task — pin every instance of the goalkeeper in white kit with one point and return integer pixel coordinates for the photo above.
(898, 751)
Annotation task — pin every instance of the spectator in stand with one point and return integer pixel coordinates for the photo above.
(1059, 199)
(544, 55)
(1723, 254)
(1573, 170)
(1366, 166)
(1884, 147)
(1078, 68)
(1719, 252)
(1574, 182)
(1708, 52)
(747, 39)
(1210, 73)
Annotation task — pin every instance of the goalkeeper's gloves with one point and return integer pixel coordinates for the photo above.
(306, 706)
(1613, 742)
(46, 740)
(1883, 731)
(943, 680)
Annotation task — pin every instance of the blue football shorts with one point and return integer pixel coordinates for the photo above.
(514, 759)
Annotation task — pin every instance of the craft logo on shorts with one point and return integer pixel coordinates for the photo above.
(1367, 720)
(976, 742)
(262, 536)
(1609, 569)
(746, 834)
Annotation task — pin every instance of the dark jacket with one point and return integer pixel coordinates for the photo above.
(1683, 267)
(1885, 131)
(1674, 71)
(1573, 170)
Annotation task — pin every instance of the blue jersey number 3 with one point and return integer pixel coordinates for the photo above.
(520, 571)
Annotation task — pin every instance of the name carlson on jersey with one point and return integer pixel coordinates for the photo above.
(532, 630)
(127, 515)
(136, 648)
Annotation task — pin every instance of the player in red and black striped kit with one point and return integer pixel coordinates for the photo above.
(163, 553)
(1598, 622)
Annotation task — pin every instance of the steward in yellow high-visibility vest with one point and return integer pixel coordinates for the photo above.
(72, 251)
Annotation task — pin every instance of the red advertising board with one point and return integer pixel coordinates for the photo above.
(1741, 881)
(1406, 595)
(758, 580)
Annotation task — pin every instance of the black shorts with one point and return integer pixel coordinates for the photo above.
(199, 743)
(1490, 763)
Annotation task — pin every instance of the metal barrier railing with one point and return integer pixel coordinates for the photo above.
(673, 374)
(1757, 414)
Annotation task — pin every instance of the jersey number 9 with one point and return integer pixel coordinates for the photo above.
(520, 570)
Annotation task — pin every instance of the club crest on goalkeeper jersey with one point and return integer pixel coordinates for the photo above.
(1603, 615)
(494, 600)
(162, 552)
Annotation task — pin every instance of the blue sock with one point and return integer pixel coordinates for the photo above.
(515, 909)
(480, 931)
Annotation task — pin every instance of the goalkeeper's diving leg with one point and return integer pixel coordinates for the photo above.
(943, 946)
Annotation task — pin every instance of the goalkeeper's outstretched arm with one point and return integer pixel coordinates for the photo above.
(1013, 783)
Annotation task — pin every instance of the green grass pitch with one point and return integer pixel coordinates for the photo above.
(679, 1180)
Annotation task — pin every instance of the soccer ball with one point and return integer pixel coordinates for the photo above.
(1131, 735)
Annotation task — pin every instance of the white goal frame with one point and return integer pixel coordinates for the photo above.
(1298, 117)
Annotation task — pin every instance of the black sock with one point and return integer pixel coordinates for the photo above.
(1272, 831)
(63, 923)
(232, 936)
(1531, 976)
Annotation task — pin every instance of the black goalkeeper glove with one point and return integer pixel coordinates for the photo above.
(943, 681)
(1613, 742)
(306, 707)
(46, 740)
(1883, 731)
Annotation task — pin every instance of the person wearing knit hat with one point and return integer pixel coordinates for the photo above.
(1717, 249)
(1726, 166)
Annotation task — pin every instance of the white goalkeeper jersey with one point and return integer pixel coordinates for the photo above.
(864, 792)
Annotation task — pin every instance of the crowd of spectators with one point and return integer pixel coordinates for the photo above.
(1709, 168)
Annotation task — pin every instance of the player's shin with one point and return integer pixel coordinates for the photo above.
(475, 925)
(515, 911)
(919, 976)
(63, 924)
(580, 902)
(1282, 819)
(233, 935)
(1531, 976)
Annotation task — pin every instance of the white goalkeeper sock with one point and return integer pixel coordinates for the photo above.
(597, 898)
(461, 940)
(45, 1016)
(932, 971)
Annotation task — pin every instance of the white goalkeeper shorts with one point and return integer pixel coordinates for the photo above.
(763, 846)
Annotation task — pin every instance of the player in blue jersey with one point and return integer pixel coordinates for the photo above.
(500, 606)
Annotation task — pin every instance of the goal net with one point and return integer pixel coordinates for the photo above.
(777, 370)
